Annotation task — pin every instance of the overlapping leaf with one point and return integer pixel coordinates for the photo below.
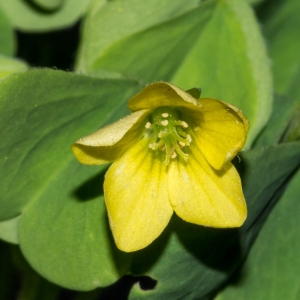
(7, 40)
(63, 222)
(42, 15)
(213, 44)
(9, 65)
(190, 261)
(9, 230)
(282, 30)
(274, 256)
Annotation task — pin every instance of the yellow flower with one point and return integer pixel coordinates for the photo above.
(172, 153)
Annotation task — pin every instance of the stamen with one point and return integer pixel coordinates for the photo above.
(189, 139)
(174, 155)
(184, 124)
(167, 132)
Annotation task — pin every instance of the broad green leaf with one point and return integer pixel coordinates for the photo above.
(67, 229)
(40, 107)
(216, 45)
(7, 39)
(282, 30)
(10, 65)
(31, 16)
(63, 223)
(272, 268)
(285, 110)
(229, 62)
(110, 21)
(189, 261)
(9, 230)
(254, 2)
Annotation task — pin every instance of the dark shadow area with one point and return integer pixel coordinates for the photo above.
(121, 289)
(144, 259)
(249, 233)
(10, 278)
(266, 8)
(216, 248)
(87, 190)
(54, 49)
(40, 9)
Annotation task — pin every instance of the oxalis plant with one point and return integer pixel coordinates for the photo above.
(163, 163)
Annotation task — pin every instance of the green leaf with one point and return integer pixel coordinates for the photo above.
(9, 230)
(110, 21)
(189, 261)
(229, 62)
(272, 268)
(7, 39)
(63, 226)
(255, 2)
(40, 107)
(216, 45)
(43, 15)
(10, 65)
(285, 110)
(49, 4)
(282, 30)
(67, 229)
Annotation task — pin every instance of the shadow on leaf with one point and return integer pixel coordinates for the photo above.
(91, 188)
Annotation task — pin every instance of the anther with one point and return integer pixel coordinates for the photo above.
(168, 134)
(189, 139)
(184, 124)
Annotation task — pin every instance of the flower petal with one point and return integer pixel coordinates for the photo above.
(202, 195)
(162, 94)
(110, 142)
(136, 196)
(220, 130)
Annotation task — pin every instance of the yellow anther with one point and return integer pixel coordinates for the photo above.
(189, 139)
(168, 134)
(174, 155)
(184, 124)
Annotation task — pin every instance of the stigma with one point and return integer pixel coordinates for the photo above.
(168, 133)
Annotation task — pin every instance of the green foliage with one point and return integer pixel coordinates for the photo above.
(10, 65)
(7, 41)
(282, 28)
(53, 207)
(9, 230)
(186, 48)
(57, 108)
(203, 259)
(41, 15)
(274, 257)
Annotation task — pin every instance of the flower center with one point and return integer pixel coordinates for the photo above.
(168, 134)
